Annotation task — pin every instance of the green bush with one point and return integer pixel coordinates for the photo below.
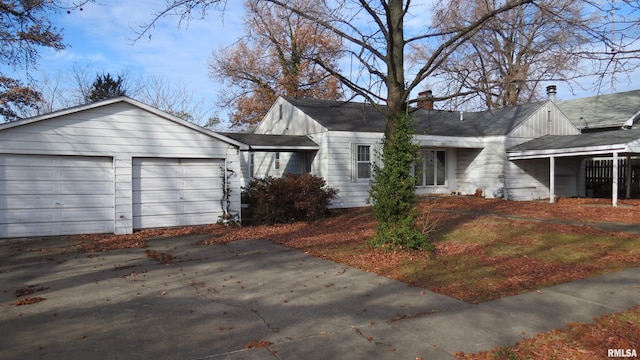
(393, 193)
(290, 198)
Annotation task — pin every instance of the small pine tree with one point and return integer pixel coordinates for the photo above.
(393, 192)
(106, 87)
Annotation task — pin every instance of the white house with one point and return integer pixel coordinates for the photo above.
(119, 165)
(502, 153)
(113, 166)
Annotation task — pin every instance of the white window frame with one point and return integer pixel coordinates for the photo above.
(357, 162)
(422, 155)
(276, 160)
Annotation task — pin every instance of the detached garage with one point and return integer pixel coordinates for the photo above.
(113, 166)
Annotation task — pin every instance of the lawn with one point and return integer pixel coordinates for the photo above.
(484, 249)
(619, 331)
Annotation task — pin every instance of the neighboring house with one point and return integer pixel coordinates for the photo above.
(604, 112)
(526, 152)
(113, 166)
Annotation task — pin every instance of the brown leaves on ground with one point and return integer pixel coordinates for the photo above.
(528, 265)
(160, 257)
(29, 290)
(467, 263)
(106, 242)
(577, 341)
(28, 301)
(480, 254)
(254, 344)
(572, 209)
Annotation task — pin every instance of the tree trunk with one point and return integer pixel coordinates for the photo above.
(396, 93)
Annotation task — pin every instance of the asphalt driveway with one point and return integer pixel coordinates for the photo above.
(256, 300)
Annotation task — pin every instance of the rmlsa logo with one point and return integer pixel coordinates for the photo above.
(622, 353)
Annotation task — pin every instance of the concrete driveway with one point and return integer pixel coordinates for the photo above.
(257, 300)
(211, 302)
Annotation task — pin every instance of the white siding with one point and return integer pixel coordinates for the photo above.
(120, 128)
(285, 119)
(337, 160)
(483, 168)
(567, 176)
(124, 195)
(548, 120)
(264, 165)
(527, 179)
(121, 131)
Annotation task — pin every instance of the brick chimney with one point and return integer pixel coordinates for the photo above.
(425, 100)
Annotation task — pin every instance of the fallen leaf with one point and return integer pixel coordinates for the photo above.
(253, 344)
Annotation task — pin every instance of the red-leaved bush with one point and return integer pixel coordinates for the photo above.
(290, 198)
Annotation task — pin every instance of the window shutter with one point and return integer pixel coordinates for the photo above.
(353, 165)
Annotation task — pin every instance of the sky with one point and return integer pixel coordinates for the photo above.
(102, 36)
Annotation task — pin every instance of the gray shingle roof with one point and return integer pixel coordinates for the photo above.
(605, 138)
(352, 116)
(610, 110)
(258, 141)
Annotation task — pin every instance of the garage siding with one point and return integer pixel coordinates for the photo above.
(113, 132)
(55, 195)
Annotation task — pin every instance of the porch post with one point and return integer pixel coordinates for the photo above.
(552, 179)
(628, 177)
(614, 186)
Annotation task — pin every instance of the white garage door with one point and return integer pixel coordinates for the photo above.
(176, 192)
(55, 195)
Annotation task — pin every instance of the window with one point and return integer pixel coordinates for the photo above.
(251, 164)
(276, 161)
(363, 161)
(430, 167)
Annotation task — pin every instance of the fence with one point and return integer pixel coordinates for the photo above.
(599, 177)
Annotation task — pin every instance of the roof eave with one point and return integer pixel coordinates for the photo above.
(283, 148)
(575, 151)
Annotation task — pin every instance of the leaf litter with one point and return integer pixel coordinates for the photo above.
(343, 237)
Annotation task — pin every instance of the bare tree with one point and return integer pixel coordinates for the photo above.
(503, 63)
(175, 99)
(376, 43)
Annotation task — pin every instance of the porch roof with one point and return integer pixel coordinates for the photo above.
(268, 142)
(587, 144)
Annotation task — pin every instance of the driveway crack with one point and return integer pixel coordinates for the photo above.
(267, 324)
(372, 340)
